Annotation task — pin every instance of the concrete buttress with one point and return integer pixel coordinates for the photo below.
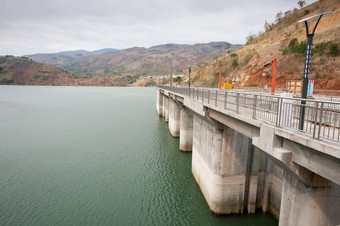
(186, 130)
(174, 117)
(219, 164)
(159, 103)
(166, 106)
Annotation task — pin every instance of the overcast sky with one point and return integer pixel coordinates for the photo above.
(46, 26)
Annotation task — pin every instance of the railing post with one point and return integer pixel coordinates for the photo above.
(225, 100)
(316, 118)
(279, 110)
(237, 102)
(202, 94)
(254, 106)
(320, 120)
(208, 96)
(216, 98)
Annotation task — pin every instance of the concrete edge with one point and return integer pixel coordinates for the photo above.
(318, 145)
(233, 114)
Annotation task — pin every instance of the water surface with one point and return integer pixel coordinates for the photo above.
(96, 156)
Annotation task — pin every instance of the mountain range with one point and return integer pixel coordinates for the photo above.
(108, 67)
(138, 61)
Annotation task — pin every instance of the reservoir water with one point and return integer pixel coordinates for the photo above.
(96, 156)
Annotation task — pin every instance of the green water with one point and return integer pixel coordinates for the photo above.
(96, 156)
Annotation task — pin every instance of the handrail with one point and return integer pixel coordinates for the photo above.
(321, 121)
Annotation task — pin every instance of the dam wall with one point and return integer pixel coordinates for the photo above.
(243, 165)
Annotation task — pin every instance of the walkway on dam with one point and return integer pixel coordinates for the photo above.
(321, 120)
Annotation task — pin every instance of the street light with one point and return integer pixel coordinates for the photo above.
(189, 76)
(307, 63)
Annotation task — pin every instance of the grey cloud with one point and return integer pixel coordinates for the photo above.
(48, 25)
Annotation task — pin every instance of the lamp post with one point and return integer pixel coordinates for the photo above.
(189, 77)
(307, 63)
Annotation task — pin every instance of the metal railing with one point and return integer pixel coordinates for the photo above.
(321, 121)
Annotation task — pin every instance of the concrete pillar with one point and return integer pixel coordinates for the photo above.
(219, 164)
(253, 180)
(186, 124)
(163, 108)
(174, 118)
(261, 180)
(271, 185)
(166, 105)
(159, 102)
(267, 182)
(275, 190)
(302, 205)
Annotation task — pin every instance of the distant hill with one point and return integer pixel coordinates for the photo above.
(61, 59)
(106, 50)
(24, 71)
(74, 52)
(285, 39)
(156, 60)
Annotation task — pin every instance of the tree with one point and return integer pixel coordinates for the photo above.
(250, 38)
(266, 26)
(178, 79)
(333, 49)
(279, 16)
(287, 13)
(235, 63)
(301, 4)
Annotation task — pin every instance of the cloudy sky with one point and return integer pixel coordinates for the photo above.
(46, 26)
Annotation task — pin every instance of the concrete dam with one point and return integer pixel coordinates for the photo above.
(248, 153)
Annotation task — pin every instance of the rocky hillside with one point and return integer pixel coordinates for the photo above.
(251, 65)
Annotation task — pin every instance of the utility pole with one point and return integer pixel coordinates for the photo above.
(273, 77)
